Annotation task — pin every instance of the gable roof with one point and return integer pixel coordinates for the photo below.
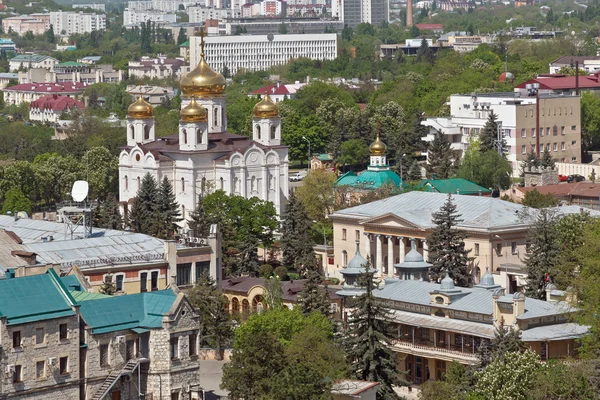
(56, 102)
(558, 82)
(279, 89)
(568, 60)
(34, 298)
(578, 189)
(134, 311)
(454, 186)
(34, 58)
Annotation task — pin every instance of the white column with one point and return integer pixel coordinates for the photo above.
(390, 264)
(379, 256)
(367, 246)
(425, 249)
(402, 249)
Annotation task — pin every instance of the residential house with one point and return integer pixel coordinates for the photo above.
(156, 68)
(28, 92)
(6, 77)
(279, 91)
(154, 95)
(582, 194)
(27, 61)
(591, 64)
(50, 108)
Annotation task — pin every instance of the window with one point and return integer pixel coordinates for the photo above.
(18, 374)
(573, 142)
(273, 132)
(139, 182)
(541, 132)
(499, 248)
(63, 365)
(507, 133)
(476, 251)
(154, 280)
(184, 274)
(119, 283)
(192, 346)
(523, 132)
(146, 132)
(541, 148)
(132, 130)
(174, 348)
(523, 149)
(343, 234)
(357, 235)
(258, 131)
(215, 116)
(184, 136)
(126, 183)
(40, 369)
(104, 355)
(547, 146)
(198, 136)
(63, 332)
(573, 159)
(16, 339)
(562, 130)
(183, 184)
(555, 146)
(562, 146)
(202, 268)
(344, 258)
(39, 335)
(143, 282)
(174, 395)
(555, 130)
(532, 132)
(573, 127)
(513, 247)
(333, 308)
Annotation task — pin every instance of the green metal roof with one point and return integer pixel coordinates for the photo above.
(185, 44)
(29, 58)
(71, 64)
(142, 310)
(70, 281)
(369, 179)
(87, 296)
(454, 186)
(324, 157)
(34, 298)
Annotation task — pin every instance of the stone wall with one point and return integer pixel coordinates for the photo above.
(52, 384)
(541, 177)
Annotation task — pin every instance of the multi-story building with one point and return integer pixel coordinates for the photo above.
(591, 64)
(25, 23)
(156, 68)
(271, 8)
(6, 77)
(203, 150)
(495, 232)
(199, 14)
(91, 6)
(7, 46)
(558, 84)
(440, 323)
(155, 95)
(50, 108)
(69, 22)
(557, 118)
(256, 53)
(354, 12)
(264, 26)
(71, 71)
(171, 6)
(27, 61)
(132, 18)
(28, 92)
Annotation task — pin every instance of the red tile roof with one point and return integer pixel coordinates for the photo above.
(56, 103)
(557, 82)
(62, 87)
(430, 27)
(272, 89)
(579, 189)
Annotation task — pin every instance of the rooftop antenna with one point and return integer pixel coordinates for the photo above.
(77, 216)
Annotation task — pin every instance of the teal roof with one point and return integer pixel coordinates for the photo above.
(71, 64)
(87, 296)
(134, 311)
(369, 179)
(29, 58)
(34, 298)
(70, 281)
(324, 157)
(454, 186)
(185, 44)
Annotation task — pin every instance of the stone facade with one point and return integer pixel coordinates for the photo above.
(39, 358)
(540, 176)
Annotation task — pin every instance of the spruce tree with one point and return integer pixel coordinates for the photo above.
(107, 214)
(531, 161)
(488, 137)
(506, 340)
(198, 223)
(181, 37)
(440, 158)
(313, 296)
(414, 173)
(147, 218)
(447, 250)
(296, 241)
(135, 216)
(108, 286)
(543, 253)
(547, 161)
(368, 341)
(168, 210)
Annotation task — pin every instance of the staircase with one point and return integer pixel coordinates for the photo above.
(113, 377)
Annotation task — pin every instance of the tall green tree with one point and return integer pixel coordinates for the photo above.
(143, 217)
(506, 340)
(181, 37)
(488, 136)
(198, 221)
(368, 341)
(535, 199)
(296, 241)
(447, 250)
(414, 173)
(314, 295)
(547, 161)
(489, 169)
(440, 157)
(108, 215)
(168, 210)
(543, 254)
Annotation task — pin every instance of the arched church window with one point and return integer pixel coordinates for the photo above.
(273, 132)
(132, 131)
(139, 182)
(183, 184)
(126, 182)
(198, 136)
(183, 211)
(221, 184)
(215, 116)
(253, 184)
(146, 132)
(184, 136)
(258, 131)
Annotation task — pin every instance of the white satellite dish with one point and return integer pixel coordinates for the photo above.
(80, 190)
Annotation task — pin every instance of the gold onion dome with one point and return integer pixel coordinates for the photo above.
(266, 108)
(378, 148)
(193, 112)
(140, 109)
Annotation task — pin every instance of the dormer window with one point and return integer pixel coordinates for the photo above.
(439, 300)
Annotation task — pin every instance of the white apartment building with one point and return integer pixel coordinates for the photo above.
(256, 53)
(134, 18)
(591, 64)
(354, 12)
(92, 6)
(250, 10)
(169, 6)
(270, 8)
(199, 14)
(28, 61)
(559, 124)
(68, 22)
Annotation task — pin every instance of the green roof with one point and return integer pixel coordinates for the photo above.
(134, 311)
(87, 296)
(324, 157)
(34, 298)
(369, 179)
(70, 64)
(29, 58)
(454, 186)
(185, 44)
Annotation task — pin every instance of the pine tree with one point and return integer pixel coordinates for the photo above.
(547, 161)
(488, 137)
(447, 250)
(181, 37)
(168, 210)
(531, 161)
(198, 222)
(49, 34)
(248, 255)
(108, 286)
(144, 216)
(506, 340)
(135, 216)
(296, 241)
(313, 296)
(108, 215)
(368, 341)
(414, 173)
(543, 253)
(440, 158)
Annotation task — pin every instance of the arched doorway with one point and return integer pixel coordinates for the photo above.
(245, 308)
(235, 306)
(258, 304)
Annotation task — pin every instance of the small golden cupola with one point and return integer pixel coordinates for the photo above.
(140, 109)
(378, 148)
(193, 112)
(266, 108)
(202, 81)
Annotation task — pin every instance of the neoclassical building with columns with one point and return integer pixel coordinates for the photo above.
(203, 151)
(495, 230)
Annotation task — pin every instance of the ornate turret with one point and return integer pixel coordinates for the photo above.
(378, 155)
(414, 266)
(378, 148)
(193, 112)
(356, 267)
(266, 128)
(487, 281)
(266, 108)
(202, 81)
(140, 122)
(193, 127)
(140, 109)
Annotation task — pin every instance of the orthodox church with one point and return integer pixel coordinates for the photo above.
(203, 151)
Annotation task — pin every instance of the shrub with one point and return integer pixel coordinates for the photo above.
(281, 272)
(265, 270)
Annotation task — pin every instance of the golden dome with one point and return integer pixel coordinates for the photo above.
(202, 81)
(140, 109)
(266, 108)
(378, 148)
(193, 112)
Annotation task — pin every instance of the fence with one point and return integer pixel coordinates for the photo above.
(584, 170)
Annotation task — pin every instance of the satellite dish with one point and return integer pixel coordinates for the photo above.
(80, 190)
(22, 214)
(270, 37)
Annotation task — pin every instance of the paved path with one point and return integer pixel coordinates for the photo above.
(211, 373)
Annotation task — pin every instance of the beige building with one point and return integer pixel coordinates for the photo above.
(36, 23)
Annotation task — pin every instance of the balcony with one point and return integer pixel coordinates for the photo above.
(427, 349)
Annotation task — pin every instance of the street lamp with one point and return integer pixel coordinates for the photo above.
(304, 137)
(401, 160)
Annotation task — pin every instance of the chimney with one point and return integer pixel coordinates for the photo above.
(409, 14)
